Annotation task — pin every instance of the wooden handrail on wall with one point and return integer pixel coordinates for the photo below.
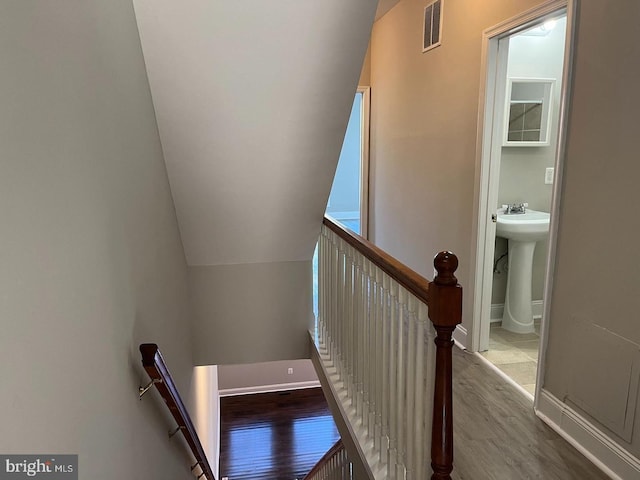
(443, 297)
(154, 365)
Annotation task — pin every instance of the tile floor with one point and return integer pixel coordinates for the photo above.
(516, 354)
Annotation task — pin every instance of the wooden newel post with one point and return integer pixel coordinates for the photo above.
(445, 312)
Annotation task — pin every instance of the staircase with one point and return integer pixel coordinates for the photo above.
(385, 368)
(334, 465)
(382, 350)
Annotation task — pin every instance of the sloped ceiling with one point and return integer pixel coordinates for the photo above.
(252, 98)
(384, 6)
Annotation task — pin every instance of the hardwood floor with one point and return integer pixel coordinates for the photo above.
(497, 435)
(275, 436)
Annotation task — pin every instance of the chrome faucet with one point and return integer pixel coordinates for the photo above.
(515, 208)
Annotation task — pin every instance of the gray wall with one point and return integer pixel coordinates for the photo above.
(252, 312)
(261, 376)
(594, 338)
(92, 262)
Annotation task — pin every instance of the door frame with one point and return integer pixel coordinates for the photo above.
(488, 167)
(362, 185)
(364, 159)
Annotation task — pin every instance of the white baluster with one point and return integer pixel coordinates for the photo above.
(364, 333)
(379, 339)
(348, 297)
(379, 311)
(401, 382)
(386, 320)
(327, 281)
(353, 330)
(412, 307)
(341, 300)
(327, 269)
(321, 277)
(430, 375)
(362, 329)
(349, 322)
(336, 299)
(358, 313)
(373, 331)
(393, 380)
(318, 324)
(420, 448)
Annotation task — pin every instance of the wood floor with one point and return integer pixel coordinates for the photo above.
(497, 435)
(275, 436)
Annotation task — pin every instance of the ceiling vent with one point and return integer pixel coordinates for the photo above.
(432, 31)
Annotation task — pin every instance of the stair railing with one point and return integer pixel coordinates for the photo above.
(334, 465)
(154, 365)
(390, 367)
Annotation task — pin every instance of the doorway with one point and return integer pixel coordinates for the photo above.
(522, 137)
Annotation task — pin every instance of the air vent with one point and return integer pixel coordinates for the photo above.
(432, 25)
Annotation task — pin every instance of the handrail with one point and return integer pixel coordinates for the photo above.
(153, 363)
(443, 296)
(325, 458)
(409, 279)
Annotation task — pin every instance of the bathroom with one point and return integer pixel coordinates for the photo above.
(526, 177)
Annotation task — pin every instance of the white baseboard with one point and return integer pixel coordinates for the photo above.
(497, 310)
(280, 387)
(460, 336)
(604, 452)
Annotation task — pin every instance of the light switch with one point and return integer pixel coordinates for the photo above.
(548, 176)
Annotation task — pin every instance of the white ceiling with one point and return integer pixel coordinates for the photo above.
(252, 99)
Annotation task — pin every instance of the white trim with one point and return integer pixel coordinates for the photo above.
(605, 453)
(546, 103)
(486, 194)
(364, 160)
(278, 387)
(554, 226)
(497, 310)
(352, 215)
(460, 336)
(424, 25)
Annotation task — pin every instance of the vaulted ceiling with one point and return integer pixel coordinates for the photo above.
(252, 98)
(384, 6)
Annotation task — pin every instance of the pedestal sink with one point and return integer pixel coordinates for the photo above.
(522, 230)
